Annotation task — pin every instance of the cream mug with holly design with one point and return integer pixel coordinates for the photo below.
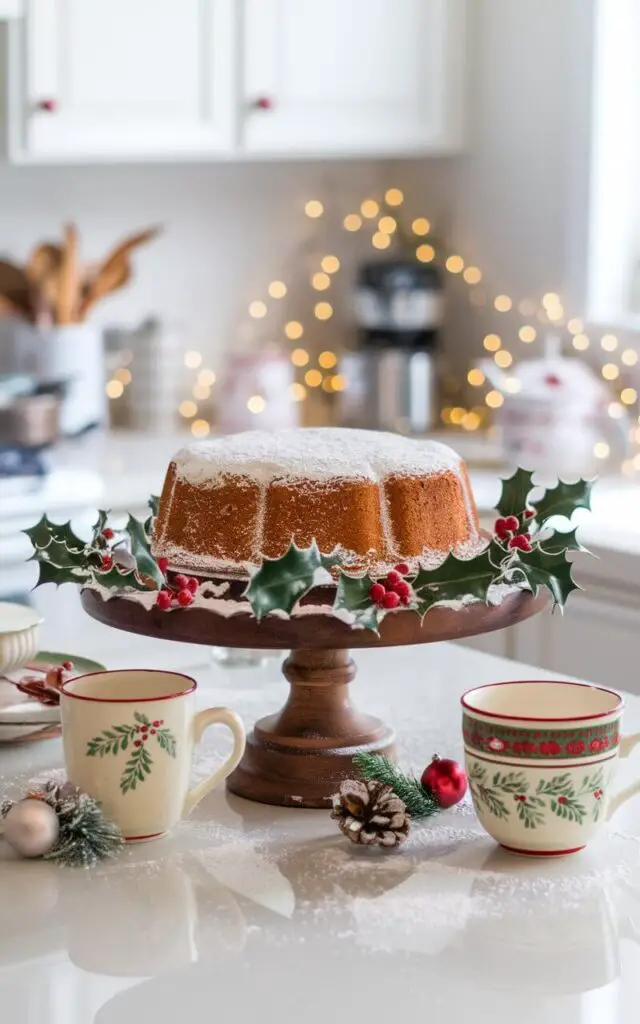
(129, 738)
(541, 758)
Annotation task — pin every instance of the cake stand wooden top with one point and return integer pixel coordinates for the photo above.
(203, 626)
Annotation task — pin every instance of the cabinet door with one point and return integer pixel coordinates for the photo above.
(353, 75)
(125, 78)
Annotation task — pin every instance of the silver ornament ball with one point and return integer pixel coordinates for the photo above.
(31, 827)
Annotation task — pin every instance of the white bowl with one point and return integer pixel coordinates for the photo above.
(19, 635)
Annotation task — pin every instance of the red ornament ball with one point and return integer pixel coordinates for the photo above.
(163, 565)
(377, 592)
(108, 534)
(402, 568)
(185, 598)
(390, 600)
(446, 779)
(163, 600)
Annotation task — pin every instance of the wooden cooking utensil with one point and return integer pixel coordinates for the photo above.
(68, 277)
(15, 288)
(115, 271)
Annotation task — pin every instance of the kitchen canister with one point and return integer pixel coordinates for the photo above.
(74, 354)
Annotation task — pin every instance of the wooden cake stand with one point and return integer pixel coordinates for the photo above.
(299, 756)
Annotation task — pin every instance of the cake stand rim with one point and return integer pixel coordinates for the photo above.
(321, 631)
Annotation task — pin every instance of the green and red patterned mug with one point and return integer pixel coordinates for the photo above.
(129, 738)
(541, 758)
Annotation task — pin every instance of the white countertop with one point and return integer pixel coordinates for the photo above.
(250, 912)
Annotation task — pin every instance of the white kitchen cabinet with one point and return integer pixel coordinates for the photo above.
(356, 76)
(111, 79)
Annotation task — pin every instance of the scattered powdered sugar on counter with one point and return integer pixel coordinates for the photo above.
(314, 454)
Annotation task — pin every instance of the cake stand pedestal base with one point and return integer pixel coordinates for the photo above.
(299, 756)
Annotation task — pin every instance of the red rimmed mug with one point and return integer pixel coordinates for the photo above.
(541, 758)
(129, 738)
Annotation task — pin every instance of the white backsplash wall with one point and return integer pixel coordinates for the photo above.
(229, 230)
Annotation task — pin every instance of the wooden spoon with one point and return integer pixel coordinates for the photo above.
(115, 271)
(15, 287)
(67, 310)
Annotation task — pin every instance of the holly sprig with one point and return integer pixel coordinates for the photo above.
(419, 801)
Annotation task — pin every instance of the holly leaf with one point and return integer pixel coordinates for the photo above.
(145, 562)
(557, 542)
(352, 595)
(114, 578)
(454, 579)
(280, 582)
(563, 500)
(99, 526)
(57, 553)
(515, 491)
(58, 574)
(45, 531)
(331, 560)
(154, 504)
(552, 571)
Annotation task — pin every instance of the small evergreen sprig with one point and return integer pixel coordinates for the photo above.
(419, 802)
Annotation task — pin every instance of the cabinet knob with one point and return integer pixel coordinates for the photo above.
(47, 105)
(264, 103)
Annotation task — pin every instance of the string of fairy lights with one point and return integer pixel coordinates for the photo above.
(536, 318)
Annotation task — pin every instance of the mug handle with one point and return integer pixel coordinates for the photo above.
(627, 743)
(201, 722)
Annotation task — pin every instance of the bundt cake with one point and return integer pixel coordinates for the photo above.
(380, 498)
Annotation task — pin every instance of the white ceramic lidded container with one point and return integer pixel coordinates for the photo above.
(19, 635)
(555, 414)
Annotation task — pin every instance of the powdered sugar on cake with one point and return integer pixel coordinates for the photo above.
(316, 454)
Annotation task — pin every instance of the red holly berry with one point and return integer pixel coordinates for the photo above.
(376, 592)
(144, 728)
(390, 600)
(67, 666)
(181, 581)
(192, 584)
(529, 513)
(393, 578)
(521, 543)
(137, 743)
(108, 533)
(512, 523)
(163, 565)
(155, 724)
(145, 738)
(185, 597)
(161, 721)
(106, 561)
(163, 600)
(152, 732)
(403, 590)
(402, 568)
(563, 800)
(521, 798)
(446, 779)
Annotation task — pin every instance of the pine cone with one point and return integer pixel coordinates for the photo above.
(370, 813)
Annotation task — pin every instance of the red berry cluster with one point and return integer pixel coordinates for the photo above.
(146, 731)
(506, 529)
(178, 591)
(393, 590)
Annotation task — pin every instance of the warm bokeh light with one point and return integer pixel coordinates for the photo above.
(628, 467)
(581, 342)
(293, 330)
(471, 421)
(425, 253)
(555, 314)
(492, 342)
(629, 396)
(188, 409)
(299, 357)
(387, 225)
(114, 388)
(394, 197)
(298, 392)
(575, 325)
(327, 360)
(472, 275)
(330, 264)
(615, 410)
(257, 310)
(445, 414)
(338, 382)
(503, 303)
(527, 334)
(201, 392)
(421, 226)
(610, 371)
(192, 359)
(314, 208)
(629, 357)
(277, 289)
(494, 399)
(476, 378)
(503, 359)
(313, 378)
(369, 208)
(380, 241)
(601, 450)
(455, 264)
(609, 342)
(352, 222)
(206, 378)
(323, 310)
(123, 375)
(551, 299)
(513, 385)
(320, 281)
(200, 428)
(256, 404)
(457, 415)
